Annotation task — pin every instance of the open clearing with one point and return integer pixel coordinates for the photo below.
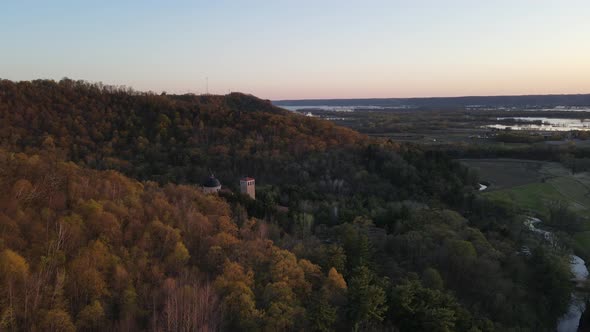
(533, 185)
(508, 173)
(534, 197)
(573, 189)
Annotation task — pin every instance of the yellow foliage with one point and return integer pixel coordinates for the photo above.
(225, 225)
(12, 265)
(91, 317)
(336, 280)
(57, 320)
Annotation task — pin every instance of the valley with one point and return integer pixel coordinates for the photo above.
(529, 160)
(262, 166)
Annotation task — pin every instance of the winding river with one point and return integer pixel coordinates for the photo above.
(570, 321)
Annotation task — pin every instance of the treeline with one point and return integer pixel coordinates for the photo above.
(525, 137)
(346, 233)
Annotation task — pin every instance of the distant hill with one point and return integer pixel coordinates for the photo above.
(163, 137)
(488, 101)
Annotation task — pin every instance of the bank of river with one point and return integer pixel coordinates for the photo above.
(570, 321)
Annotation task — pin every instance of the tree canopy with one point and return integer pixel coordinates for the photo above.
(103, 225)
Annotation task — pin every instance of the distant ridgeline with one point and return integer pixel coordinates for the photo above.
(485, 101)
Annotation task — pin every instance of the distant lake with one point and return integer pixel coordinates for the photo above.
(542, 124)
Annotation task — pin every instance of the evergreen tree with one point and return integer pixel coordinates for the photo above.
(366, 299)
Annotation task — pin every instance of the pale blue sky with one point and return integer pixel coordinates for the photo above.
(304, 49)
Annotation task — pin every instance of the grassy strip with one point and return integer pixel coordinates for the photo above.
(534, 197)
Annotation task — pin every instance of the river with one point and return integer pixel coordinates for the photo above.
(570, 321)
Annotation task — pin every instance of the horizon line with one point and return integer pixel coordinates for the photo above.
(297, 99)
(437, 97)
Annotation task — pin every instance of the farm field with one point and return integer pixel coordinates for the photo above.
(574, 189)
(533, 185)
(509, 173)
(533, 197)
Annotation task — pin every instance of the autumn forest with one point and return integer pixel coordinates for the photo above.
(103, 224)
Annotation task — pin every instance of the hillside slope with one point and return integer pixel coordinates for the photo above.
(106, 127)
(344, 232)
(94, 250)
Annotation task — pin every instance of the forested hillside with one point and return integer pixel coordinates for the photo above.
(88, 249)
(159, 137)
(103, 226)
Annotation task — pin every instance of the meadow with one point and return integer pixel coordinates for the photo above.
(533, 186)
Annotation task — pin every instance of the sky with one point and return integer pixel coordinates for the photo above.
(303, 49)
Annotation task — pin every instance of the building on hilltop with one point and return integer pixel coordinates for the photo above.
(248, 187)
(211, 185)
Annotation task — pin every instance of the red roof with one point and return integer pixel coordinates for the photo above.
(247, 179)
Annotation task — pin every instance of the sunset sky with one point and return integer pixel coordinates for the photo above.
(304, 49)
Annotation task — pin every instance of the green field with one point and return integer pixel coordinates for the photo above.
(575, 191)
(582, 243)
(533, 197)
(533, 185)
(509, 173)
